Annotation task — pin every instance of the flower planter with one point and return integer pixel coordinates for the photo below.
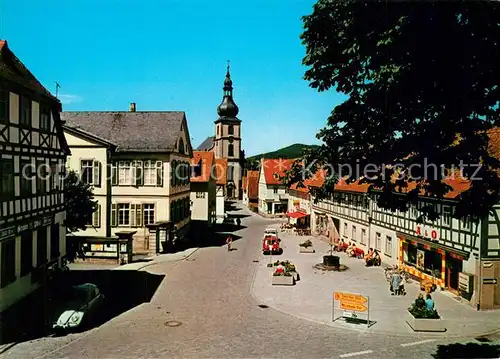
(425, 325)
(283, 280)
(306, 250)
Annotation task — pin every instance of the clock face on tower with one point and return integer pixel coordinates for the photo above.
(231, 140)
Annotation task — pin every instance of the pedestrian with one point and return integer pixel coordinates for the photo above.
(396, 279)
(429, 303)
(238, 222)
(402, 283)
(229, 240)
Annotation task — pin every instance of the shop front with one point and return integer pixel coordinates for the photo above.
(428, 260)
(299, 219)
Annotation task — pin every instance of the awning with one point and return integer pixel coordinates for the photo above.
(296, 214)
(464, 255)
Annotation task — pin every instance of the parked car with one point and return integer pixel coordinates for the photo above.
(271, 231)
(79, 306)
(271, 245)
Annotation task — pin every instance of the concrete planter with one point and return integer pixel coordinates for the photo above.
(295, 276)
(425, 325)
(306, 250)
(283, 280)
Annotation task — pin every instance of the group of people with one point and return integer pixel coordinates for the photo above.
(428, 302)
(397, 283)
(372, 258)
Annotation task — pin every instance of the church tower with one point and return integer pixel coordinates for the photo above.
(227, 141)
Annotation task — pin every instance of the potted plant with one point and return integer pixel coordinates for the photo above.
(306, 247)
(290, 268)
(421, 319)
(283, 278)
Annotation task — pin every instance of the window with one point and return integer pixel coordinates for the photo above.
(353, 233)
(230, 130)
(181, 146)
(26, 252)
(388, 246)
(150, 173)
(90, 170)
(275, 190)
(26, 177)
(136, 215)
(8, 264)
(137, 173)
(4, 107)
(345, 229)
(230, 150)
(124, 173)
(123, 214)
(363, 236)
(378, 241)
(217, 127)
(45, 119)
(41, 177)
(446, 215)
(200, 194)
(6, 178)
(230, 173)
(149, 213)
(54, 241)
(24, 111)
(94, 220)
(41, 240)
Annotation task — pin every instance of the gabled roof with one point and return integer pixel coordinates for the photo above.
(206, 145)
(253, 184)
(221, 171)
(274, 169)
(206, 160)
(131, 131)
(88, 136)
(12, 69)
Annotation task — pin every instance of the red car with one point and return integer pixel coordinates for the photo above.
(271, 245)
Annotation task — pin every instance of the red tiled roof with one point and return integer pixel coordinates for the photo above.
(253, 184)
(207, 161)
(274, 169)
(221, 171)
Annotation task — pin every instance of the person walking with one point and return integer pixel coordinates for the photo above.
(229, 241)
(238, 222)
(396, 279)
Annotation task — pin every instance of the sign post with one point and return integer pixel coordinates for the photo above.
(354, 303)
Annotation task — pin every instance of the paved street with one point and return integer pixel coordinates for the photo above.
(204, 308)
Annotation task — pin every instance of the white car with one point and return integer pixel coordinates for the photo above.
(271, 231)
(80, 306)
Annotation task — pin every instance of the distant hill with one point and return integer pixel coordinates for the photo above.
(293, 151)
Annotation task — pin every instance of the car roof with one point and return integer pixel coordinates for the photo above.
(271, 229)
(85, 286)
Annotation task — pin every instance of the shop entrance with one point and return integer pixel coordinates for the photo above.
(453, 267)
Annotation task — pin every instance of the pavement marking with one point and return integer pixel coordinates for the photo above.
(356, 353)
(417, 343)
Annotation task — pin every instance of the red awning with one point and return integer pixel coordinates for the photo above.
(296, 214)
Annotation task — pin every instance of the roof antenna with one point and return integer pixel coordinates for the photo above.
(57, 88)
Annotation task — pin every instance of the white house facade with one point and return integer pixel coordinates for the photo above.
(273, 194)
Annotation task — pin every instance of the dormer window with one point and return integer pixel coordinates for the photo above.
(196, 169)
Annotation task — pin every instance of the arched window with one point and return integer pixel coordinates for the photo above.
(181, 146)
(230, 150)
(230, 130)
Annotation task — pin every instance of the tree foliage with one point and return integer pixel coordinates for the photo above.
(80, 203)
(423, 86)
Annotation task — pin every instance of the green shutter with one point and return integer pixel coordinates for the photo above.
(114, 214)
(159, 173)
(114, 175)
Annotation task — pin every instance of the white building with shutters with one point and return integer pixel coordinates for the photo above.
(138, 164)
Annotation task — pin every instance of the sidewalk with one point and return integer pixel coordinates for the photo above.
(311, 297)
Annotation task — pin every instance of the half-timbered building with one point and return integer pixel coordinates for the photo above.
(32, 164)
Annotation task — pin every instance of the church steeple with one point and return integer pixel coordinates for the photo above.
(228, 108)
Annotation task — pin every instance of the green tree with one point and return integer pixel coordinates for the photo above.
(80, 205)
(417, 74)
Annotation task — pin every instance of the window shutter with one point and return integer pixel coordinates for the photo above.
(114, 215)
(138, 215)
(97, 173)
(96, 217)
(132, 215)
(159, 173)
(114, 175)
(139, 174)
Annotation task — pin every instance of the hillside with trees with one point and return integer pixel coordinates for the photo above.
(296, 150)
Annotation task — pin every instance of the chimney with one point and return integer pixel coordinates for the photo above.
(132, 107)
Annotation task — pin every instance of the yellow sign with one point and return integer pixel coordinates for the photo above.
(348, 297)
(356, 307)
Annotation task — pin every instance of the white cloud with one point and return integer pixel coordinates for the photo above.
(68, 99)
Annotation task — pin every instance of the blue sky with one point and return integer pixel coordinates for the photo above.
(171, 55)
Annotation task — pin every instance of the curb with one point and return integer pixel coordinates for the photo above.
(152, 263)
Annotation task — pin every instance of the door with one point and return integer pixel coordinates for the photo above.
(453, 267)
